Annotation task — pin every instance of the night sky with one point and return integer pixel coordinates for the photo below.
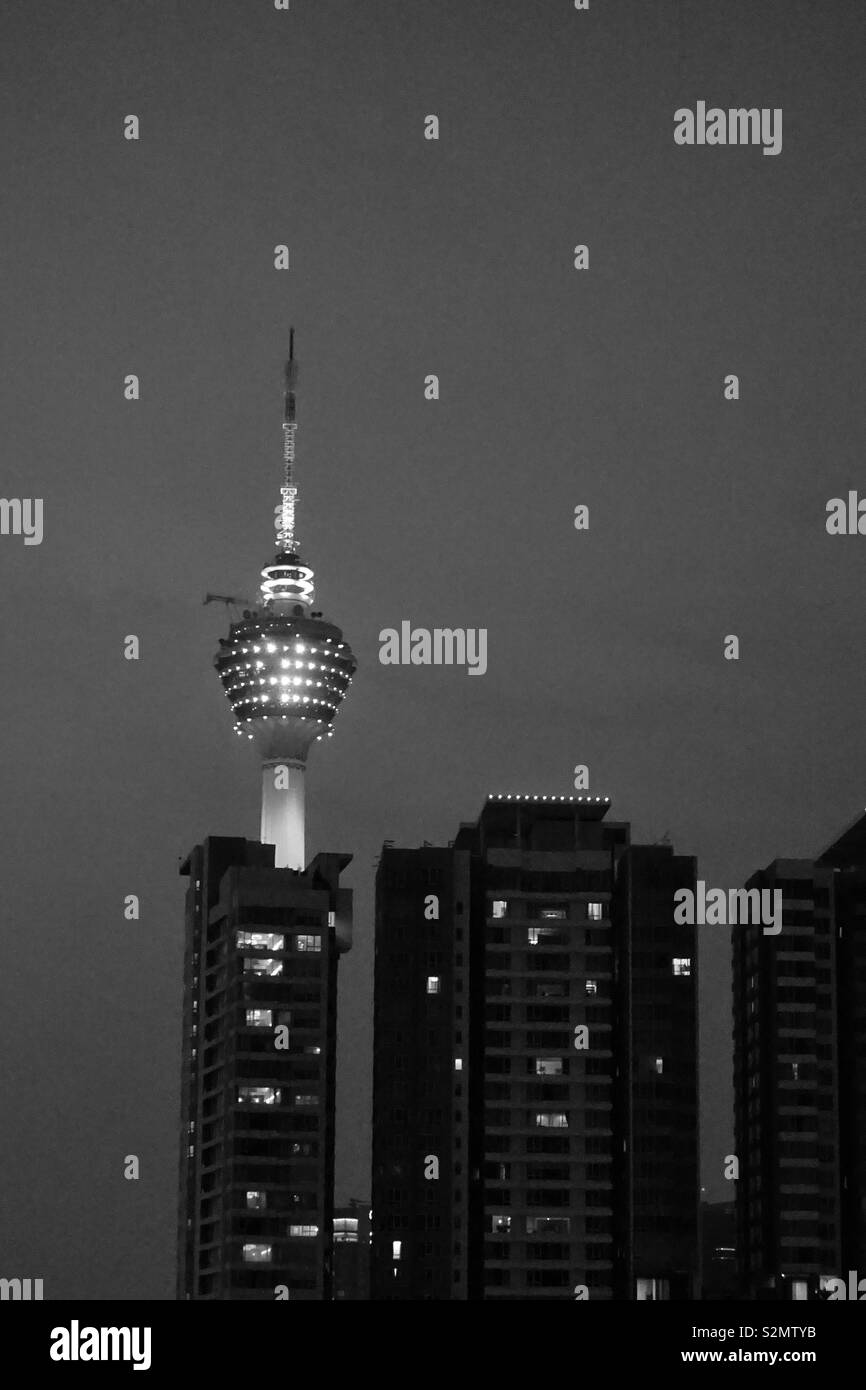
(558, 387)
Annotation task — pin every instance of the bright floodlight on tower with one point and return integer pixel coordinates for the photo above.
(284, 669)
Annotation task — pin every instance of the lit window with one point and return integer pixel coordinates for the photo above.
(258, 1095)
(590, 987)
(458, 1063)
(304, 1231)
(553, 912)
(257, 1254)
(191, 1151)
(261, 940)
(659, 1065)
(548, 1066)
(548, 1225)
(551, 1119)
(257, 1201)
(499, 908)
(499, 1224)
(308, 943)
(595, 911)
(262, 965)
(432, 984)
(652, 1290)
(332, 917)
(346, 1230)
(795, 1071)
(259, 1018)
(306, 1100)
(396, 1248)
(534, 935)
(682, 965)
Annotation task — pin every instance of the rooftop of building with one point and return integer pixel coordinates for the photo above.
(848, 848)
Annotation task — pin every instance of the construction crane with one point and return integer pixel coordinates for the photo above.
(228, 599)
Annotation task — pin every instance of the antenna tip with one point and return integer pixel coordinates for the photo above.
(291, 372)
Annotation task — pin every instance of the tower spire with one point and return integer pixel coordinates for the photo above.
(288, 492)
(288, 580)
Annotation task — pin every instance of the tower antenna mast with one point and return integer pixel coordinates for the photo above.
(288, 492)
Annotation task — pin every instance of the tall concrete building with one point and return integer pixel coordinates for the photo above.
(786, 1088)
(800, 1076)
(258, 1085)
(264, 930)
(846, 858)
(535, 1063)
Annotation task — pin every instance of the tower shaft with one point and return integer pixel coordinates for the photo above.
(283, 791)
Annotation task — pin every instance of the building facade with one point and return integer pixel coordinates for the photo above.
(800, 1077)
(258, 1081)
(535, 1063)
(786, 1088)
(846, 858)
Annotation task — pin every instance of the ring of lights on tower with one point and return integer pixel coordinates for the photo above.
(284, 668)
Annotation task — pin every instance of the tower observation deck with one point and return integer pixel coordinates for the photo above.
(284, 669)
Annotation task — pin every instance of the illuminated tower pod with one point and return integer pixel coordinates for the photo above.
(284, 669)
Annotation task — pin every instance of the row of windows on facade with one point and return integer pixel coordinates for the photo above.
(271, 1095)
(276, 941)
(532, 1278)
(497, 959)
(256, 1146)
(547, 1169)
(257, 1253)
(504, 1224)
(548, 1038)
(269, 965)
(286, 918)
(498, 983)
(602, 1073)
(680, 965)
(257, 1198)
(502, 907)
(264, 1018)
(545, 881)
(580, 1172)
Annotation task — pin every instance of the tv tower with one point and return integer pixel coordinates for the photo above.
(284, 669)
